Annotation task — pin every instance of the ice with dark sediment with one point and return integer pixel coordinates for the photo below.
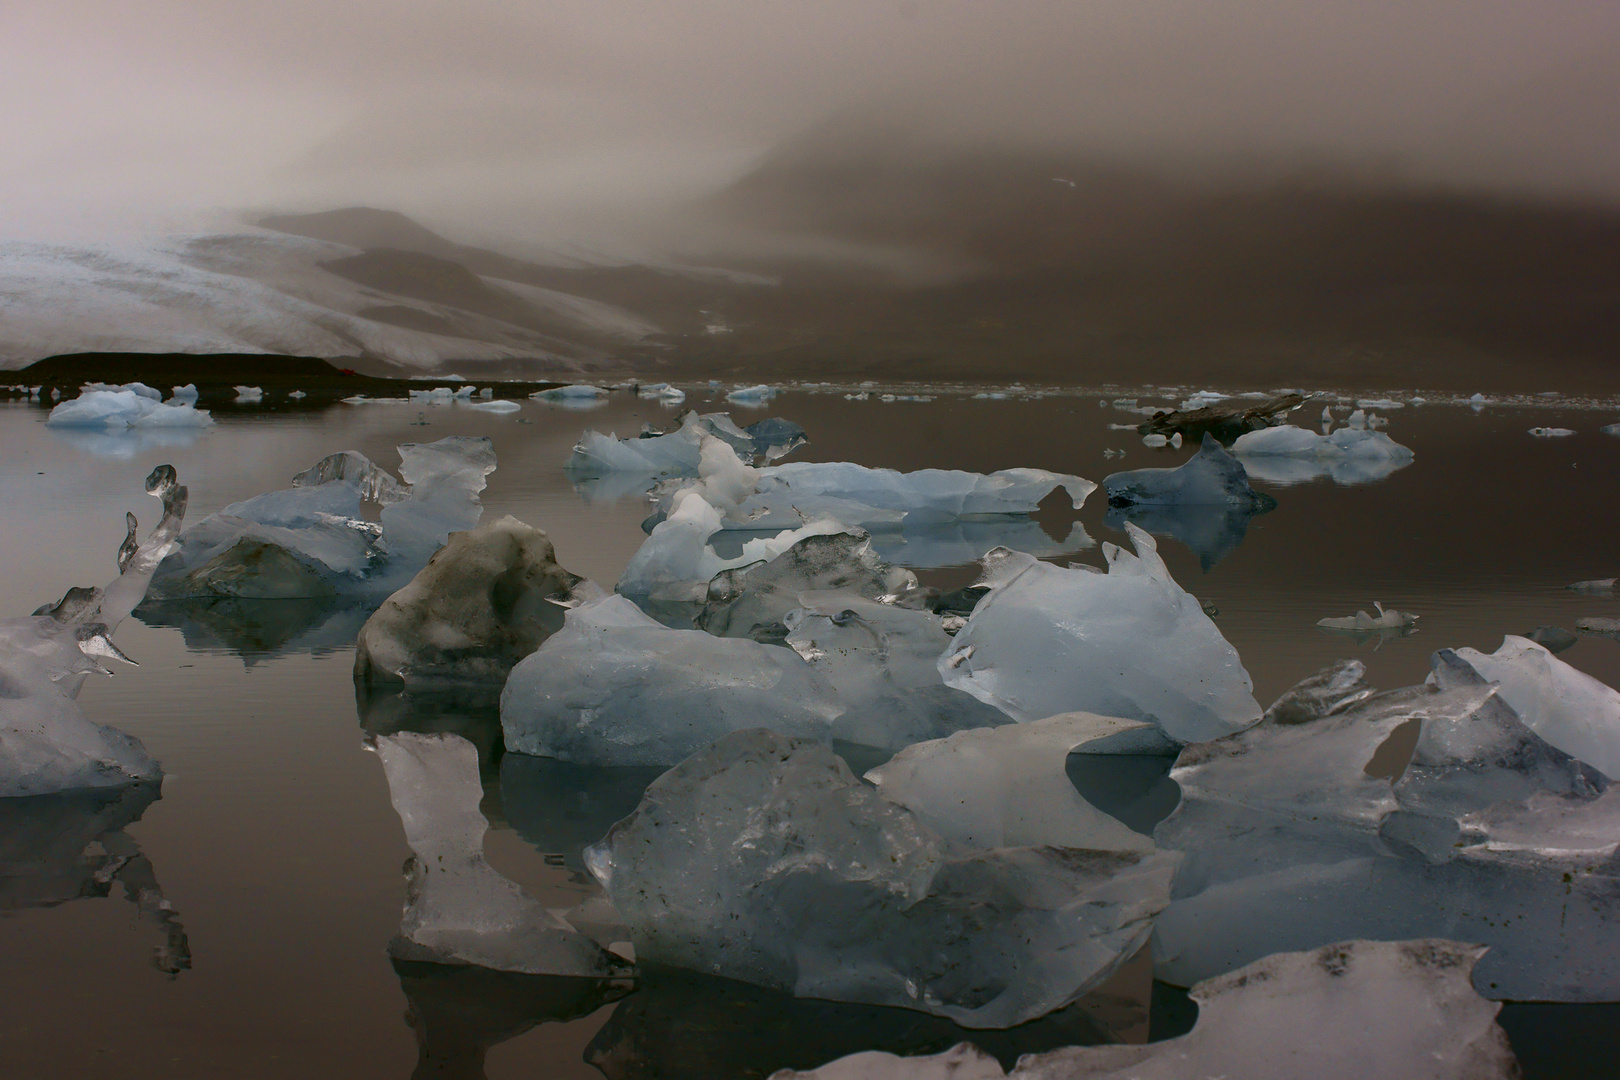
(1211, 477)
(762, 858)
(614, 687)
(1129, 643)
(678, 452)
(314, 539)
(1492, 833)
(1403, 1010)
(484, 601)
(47, 743)
(749, 600)
(459, 909)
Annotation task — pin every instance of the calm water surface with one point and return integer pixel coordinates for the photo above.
(276, 845)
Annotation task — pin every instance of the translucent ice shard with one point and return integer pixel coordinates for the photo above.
(613, 687)
(762, 858)
(1566, 707)
(47, 744)
(458, 909)
(1007, 786)
(1211, 477)
(484, 601)
(1350, 1010)
(1128, 643)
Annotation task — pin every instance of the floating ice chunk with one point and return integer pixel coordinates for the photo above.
(1610, 429)
(503, 406)
(918, 497)
(1155, 439)
(868, 650)
(1491, 833)
(1361, 622)
(1351, 455)
(125, 409)
(297, 395)
(1202, 398)
(1588, 625)
(1551, 432)
(574, 390)
(679, 452)
(312, 539)
(1402, 1009)
(661, 392)
(458, 909)
(184, 395)
(1380, 403)
(1212, 477)
(138, 388)
(762, 858)
(484, 601)
(47, 744)
(249, 393)
(1128, 643)
(749, 600)
(613, 687)
(752, 395)
(1568, 708)
(1595, 587)
(1007, 786)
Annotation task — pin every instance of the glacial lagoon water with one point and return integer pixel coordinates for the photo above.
(276, 853)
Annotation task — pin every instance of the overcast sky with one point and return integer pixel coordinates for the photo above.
(501, 118)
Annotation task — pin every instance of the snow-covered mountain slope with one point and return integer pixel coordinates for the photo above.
(257, 291)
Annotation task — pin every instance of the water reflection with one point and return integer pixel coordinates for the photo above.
(1210, 531)
(125, 444)
(562, 808)
(253, 628)
(58, 848)
(680, 1025)
(458, 1013)
(1283, 470)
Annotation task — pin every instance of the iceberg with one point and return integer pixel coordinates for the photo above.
(1491, 833)
(1128, 643)
(126, 408)
(1211, 477)
(1354, 454)
(614, 687)
(314, 540)
(247, 394)
(679, 452)
(1349, 1010)
(762, 858)
(458, 909)
(752, 395)
(47, 743)
(1551, 432)
(484, 601)
(501, 407)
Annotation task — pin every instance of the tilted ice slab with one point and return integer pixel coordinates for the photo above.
(762, 858)
(1007, 786)
(1491, 834)
(1402, 1010)
(484, 601)
(1212, 477)
(1568, 708)
(313, 540)
(47, 744)
(458, 909)
(127, 407)
(1128, 643)
(614, 687)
